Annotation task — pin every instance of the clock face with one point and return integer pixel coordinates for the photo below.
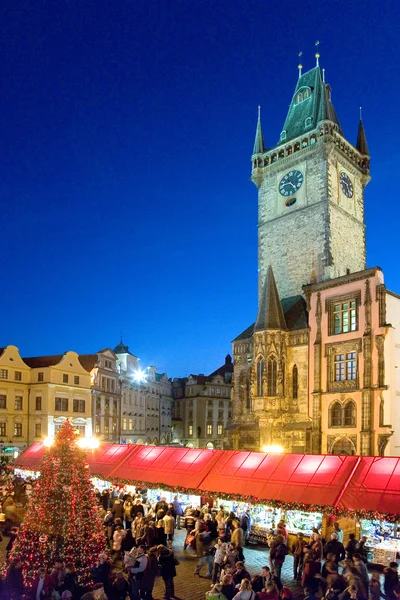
(346, 185)
(290, 183)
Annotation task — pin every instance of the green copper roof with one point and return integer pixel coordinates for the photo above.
(316, 105)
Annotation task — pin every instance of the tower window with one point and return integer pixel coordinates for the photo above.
(260, 377)
(272, 377)
(283, 135)
(302, 95)
(308, 122)
(295, 382)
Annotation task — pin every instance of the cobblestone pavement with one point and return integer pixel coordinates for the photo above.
(189, 587)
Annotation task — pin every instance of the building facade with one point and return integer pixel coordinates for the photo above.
(316, 372)
(146, 401)
(202, 408)
(38, 394)
(106, 394)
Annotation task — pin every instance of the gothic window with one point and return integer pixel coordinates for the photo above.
(260, 377)
(308, 122)
(295, 382)
(343, 447)
(336, 415)
(302, 94)
(350, 414)
(283, 135)
(271, 377)
(346, 366)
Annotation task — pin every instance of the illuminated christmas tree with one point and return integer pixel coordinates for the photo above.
(62, 520)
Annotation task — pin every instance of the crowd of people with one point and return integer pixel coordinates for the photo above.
(140, 538)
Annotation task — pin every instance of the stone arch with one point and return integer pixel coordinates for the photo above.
(140, 442)
(210, 446)
(343, 446)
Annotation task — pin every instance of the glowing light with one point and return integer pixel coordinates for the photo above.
(273, 449)
(48, 442)
(139, 376)
(88, 443)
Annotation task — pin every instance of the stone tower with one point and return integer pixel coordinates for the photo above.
(310, 193)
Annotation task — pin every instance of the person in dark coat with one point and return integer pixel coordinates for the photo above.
(161, 505)
(101, 571)
(118, 509)
(335, 547)
(149, 575)
(105, 499)
(71, 581)
(13, 537)
(14, 581)
(351, 547)
(46, 584)
(119, 589)
(128, 542)
(391, 581)
(167, 562)
(137, 509)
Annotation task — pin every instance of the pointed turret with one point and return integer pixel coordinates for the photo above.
(259, 140)
(361, 144)
(270, 313)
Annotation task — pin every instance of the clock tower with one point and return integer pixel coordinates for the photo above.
(310, 192)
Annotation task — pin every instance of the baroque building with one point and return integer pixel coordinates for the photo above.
(316, 372)
(202, 408)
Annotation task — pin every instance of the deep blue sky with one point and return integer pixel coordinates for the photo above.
(126, 134)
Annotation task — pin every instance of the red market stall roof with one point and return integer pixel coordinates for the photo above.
(316, 480)
(375, 486)
(348, 485)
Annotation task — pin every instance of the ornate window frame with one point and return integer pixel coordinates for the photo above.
(354, 345)
(329, 308)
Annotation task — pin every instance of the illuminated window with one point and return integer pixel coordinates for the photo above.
(260, 377)
(17, 375)
(344, 317)
(336, 415)
(38, 429)
(61, 404)
(271, 377)
(350, 414)
(130, 424)
(65, 378)
(79, 406)
(219, 429)
(190, 430)
(106, 427)
(97, 427)
(124, 423)
(17, 429)
(346, 367)
(114, 425)
(3, 401)
(3, 373)
(18, 402)
(3, 430)
(209, 429)
(295, 382)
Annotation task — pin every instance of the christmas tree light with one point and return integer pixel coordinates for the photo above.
(62, 520)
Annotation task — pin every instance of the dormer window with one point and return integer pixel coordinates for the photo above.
(308, 122)
(302, 95)
(283, 135)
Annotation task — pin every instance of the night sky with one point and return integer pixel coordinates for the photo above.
(126, 134)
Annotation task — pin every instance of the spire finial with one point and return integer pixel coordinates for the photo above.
(323, 75)
(300, 66)
(259, 112)
(121, 336)
(317, 54)
(360, 113)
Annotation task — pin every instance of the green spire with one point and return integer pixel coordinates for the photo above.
(361, 144)
(270, 313)
(259, 140)
(310, 105)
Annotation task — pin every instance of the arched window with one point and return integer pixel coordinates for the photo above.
(295, 383)
(260, 377)
(271, 377)
(350, 414)
(343, 447)
(336, 415)
(302, 94)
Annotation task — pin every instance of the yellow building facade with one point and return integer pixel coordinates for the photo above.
(38, 394)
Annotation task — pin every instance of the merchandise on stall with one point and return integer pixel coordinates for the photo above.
(383, 540)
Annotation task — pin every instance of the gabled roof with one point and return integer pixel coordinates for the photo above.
(318, 106)
(270, 313)
(122, 349)
(88, 361)
(296, 317)
(43, 361)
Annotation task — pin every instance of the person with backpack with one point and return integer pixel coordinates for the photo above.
(277, 553)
